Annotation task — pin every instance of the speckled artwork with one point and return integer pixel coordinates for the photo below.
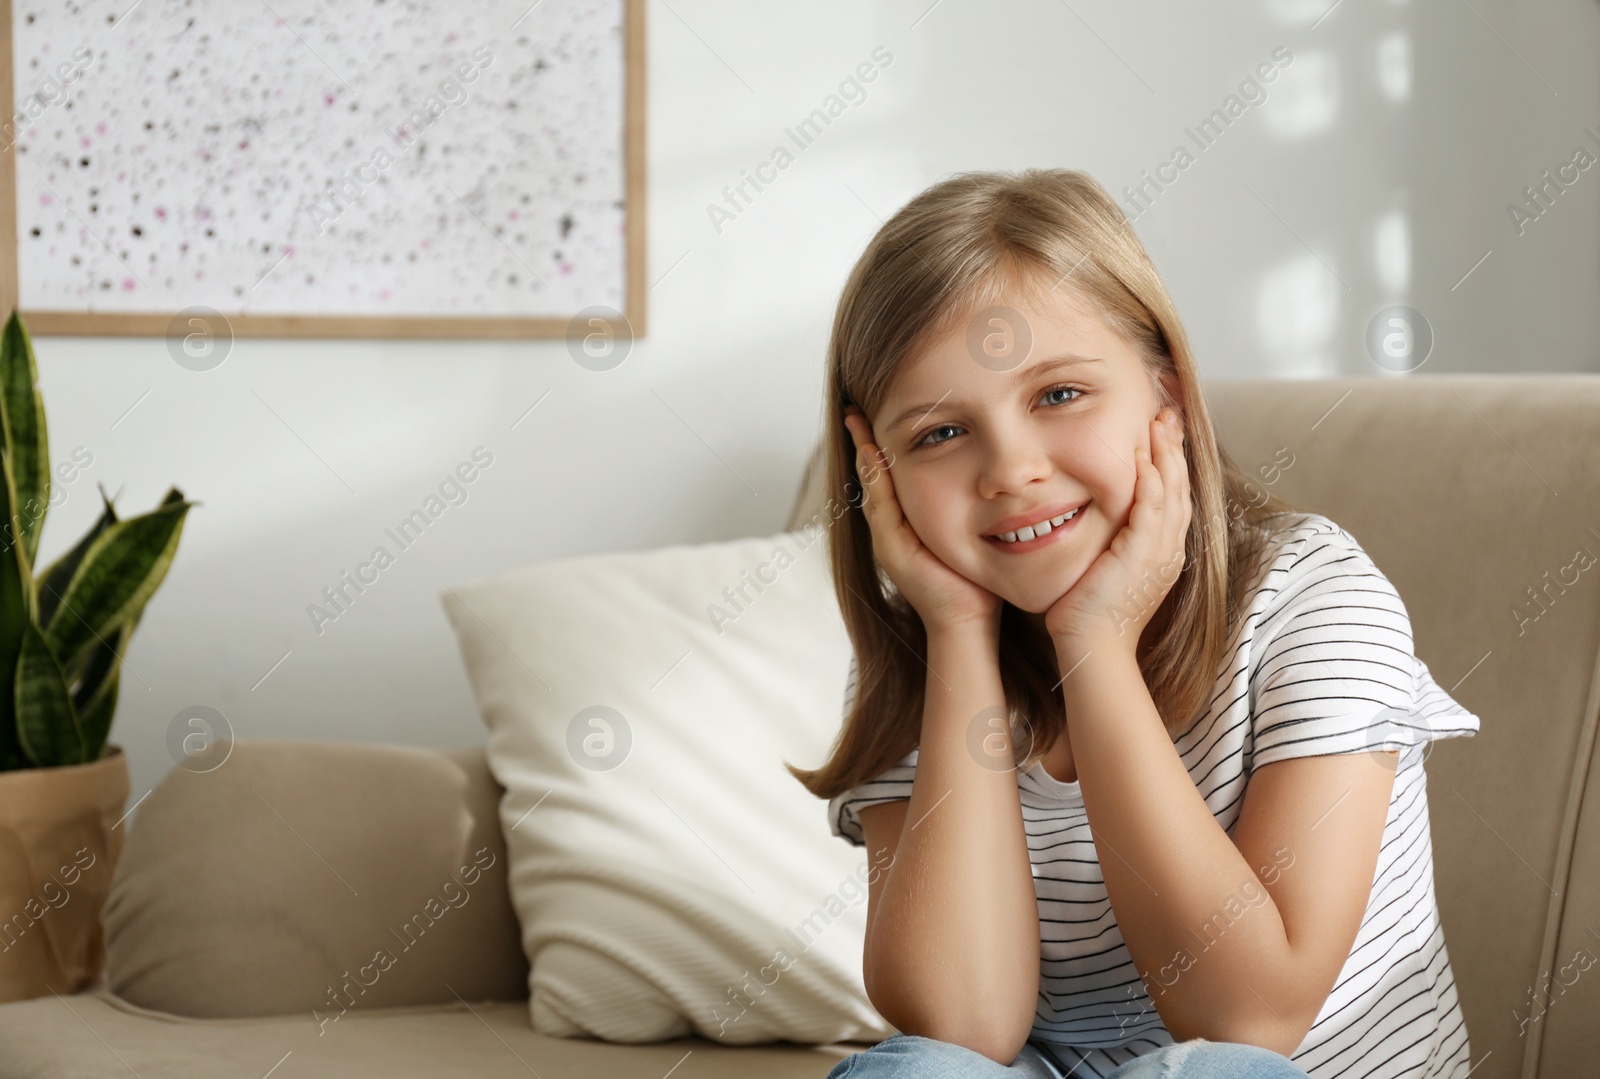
(385, 157)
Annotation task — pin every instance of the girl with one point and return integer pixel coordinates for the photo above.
(1172, 817)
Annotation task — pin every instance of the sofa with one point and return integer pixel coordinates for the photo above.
(1479, 496)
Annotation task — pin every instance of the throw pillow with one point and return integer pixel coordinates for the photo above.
(670, 877)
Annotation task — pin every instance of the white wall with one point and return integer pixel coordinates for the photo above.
(301, 453)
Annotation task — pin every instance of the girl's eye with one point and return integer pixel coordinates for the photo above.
(929, 440)
(1064, 389)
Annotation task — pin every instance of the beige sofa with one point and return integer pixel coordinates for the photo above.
(1474, 494)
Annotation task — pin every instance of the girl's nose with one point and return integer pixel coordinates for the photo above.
(1013, 462)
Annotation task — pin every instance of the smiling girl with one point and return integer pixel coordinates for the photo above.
(1141, 744)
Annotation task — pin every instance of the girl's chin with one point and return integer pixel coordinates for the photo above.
(1032, 597)
(1037, 602)
(1036, 608)
(1033, 603)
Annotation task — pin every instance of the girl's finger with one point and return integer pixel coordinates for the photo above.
(855, 436)
(1146, 513)
(860, 440)
(867, 451)
(1176, 470)
(1153, 491)
(1185, 488)
(1180, 466)
(869, 463)
(876, 486)
(1172, 467)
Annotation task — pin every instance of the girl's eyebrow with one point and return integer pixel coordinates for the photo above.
(1043, 367)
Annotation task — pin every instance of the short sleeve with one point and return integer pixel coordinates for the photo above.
(1337, 671)
(893, 784)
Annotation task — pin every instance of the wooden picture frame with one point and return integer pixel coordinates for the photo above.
(66, 322)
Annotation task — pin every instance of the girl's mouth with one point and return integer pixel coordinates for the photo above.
(1040, 538)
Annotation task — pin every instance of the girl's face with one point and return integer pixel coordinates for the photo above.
(988, 432)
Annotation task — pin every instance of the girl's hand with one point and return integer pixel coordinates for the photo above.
(1117, 596)
(940, 596)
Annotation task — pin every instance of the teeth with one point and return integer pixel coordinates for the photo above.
(1035, 531)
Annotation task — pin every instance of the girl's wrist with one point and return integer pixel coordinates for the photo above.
(1074, 649)
(964, 629)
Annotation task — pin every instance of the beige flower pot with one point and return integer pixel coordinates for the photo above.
(58, 847)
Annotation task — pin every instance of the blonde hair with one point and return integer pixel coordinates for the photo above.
(954, 249)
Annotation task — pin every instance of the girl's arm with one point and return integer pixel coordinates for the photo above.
(952, 947)
(1221, 960)
(1216, 968)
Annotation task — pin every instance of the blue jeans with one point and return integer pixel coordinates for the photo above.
(910, 1056)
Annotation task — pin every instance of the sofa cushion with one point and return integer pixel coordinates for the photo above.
(670, 876)
(315, 878)
(49, 1038)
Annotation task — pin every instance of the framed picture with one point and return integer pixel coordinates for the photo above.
(362, 169)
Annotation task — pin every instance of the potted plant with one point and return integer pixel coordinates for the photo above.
(63, 632)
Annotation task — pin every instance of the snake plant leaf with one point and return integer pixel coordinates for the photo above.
(122, 568)
(88, 671)
(26, 436)
(94, 697)
(90, 668)
(53, 581)
(92, 674)
(95, 723)
(15, 615)
(94, 679)
(94, 665)
(46, 721)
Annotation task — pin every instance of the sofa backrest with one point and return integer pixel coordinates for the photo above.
(1479, 498)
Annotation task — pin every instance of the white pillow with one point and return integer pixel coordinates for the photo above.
(663, 864)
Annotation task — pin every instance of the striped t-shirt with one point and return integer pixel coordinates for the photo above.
(1321, 662)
